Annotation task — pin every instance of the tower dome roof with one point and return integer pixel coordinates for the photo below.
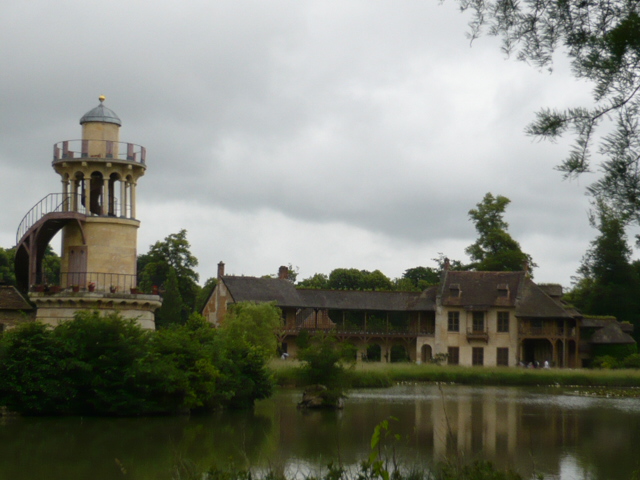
(101, 114)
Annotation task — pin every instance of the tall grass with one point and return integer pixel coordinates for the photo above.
(372, 375)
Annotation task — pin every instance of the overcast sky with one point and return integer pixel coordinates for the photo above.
(323, 134)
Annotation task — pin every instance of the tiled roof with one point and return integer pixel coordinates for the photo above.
(369, 300)
(533, 302)
(244, 289)
(476, 290)
(10, 299)
(484, 290)
(469, 290)
(285, 294)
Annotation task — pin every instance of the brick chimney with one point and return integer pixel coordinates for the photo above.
(220, 270)
(283, 273)
(447, 264)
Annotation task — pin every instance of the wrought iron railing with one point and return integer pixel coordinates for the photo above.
(54, 202)
(93, 282)
(360, 330)
(60, 202)
(99, 149)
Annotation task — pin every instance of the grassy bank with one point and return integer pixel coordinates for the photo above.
(374, 375)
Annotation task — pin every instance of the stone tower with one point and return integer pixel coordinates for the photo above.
(96, 211)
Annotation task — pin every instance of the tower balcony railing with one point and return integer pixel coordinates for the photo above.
(99, 149)
(99, 282)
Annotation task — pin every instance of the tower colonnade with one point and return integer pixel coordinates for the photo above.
(108, 190)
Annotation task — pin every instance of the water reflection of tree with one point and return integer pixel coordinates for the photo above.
(74, 448)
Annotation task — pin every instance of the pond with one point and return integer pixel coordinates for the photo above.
(532, 430)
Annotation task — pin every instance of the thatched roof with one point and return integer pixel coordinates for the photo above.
(611, 334)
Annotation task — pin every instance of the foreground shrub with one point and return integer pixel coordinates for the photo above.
(606, 361)
(632, 361)
(96, 365)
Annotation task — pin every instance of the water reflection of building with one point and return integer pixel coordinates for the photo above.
(471, 318)
(500, 424)
(527, 430)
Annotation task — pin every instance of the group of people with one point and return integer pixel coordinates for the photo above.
(535, 364)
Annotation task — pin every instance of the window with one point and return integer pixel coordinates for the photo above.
(503, 322)
(503, 357)
(453, 355)
(477, 356)
(536, 326)
(454, 322)
(478, 322)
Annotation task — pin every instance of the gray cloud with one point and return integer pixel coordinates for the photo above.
(371, 125)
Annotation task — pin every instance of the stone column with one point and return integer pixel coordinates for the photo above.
(105, 195)
(74, 192)
(133, 199)
(65, 195)
(123, 198)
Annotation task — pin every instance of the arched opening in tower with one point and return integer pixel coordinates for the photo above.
(115, 196)
(95, 194)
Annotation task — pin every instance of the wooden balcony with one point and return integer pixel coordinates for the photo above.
(545, 330)
(477, 335)
(354, 331)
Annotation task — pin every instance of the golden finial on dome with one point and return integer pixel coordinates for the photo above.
(102, 98)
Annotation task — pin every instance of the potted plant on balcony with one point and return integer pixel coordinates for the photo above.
(75, 288)
(91, 286)
(113, 288)
(134, 290)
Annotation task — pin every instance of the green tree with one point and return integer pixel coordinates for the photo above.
(249, 334)
(173, 309)
(172, 253)
(7, 269)
(318, 280)
(257, 324)
(345, 279)
(376, 280)
(354, 279)
(50, 266)
(422, 277)
(205, 292)
(607, 282)
(442, 260)
(602, 42)
(31, 360)
(325, 361)
(495, 249)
